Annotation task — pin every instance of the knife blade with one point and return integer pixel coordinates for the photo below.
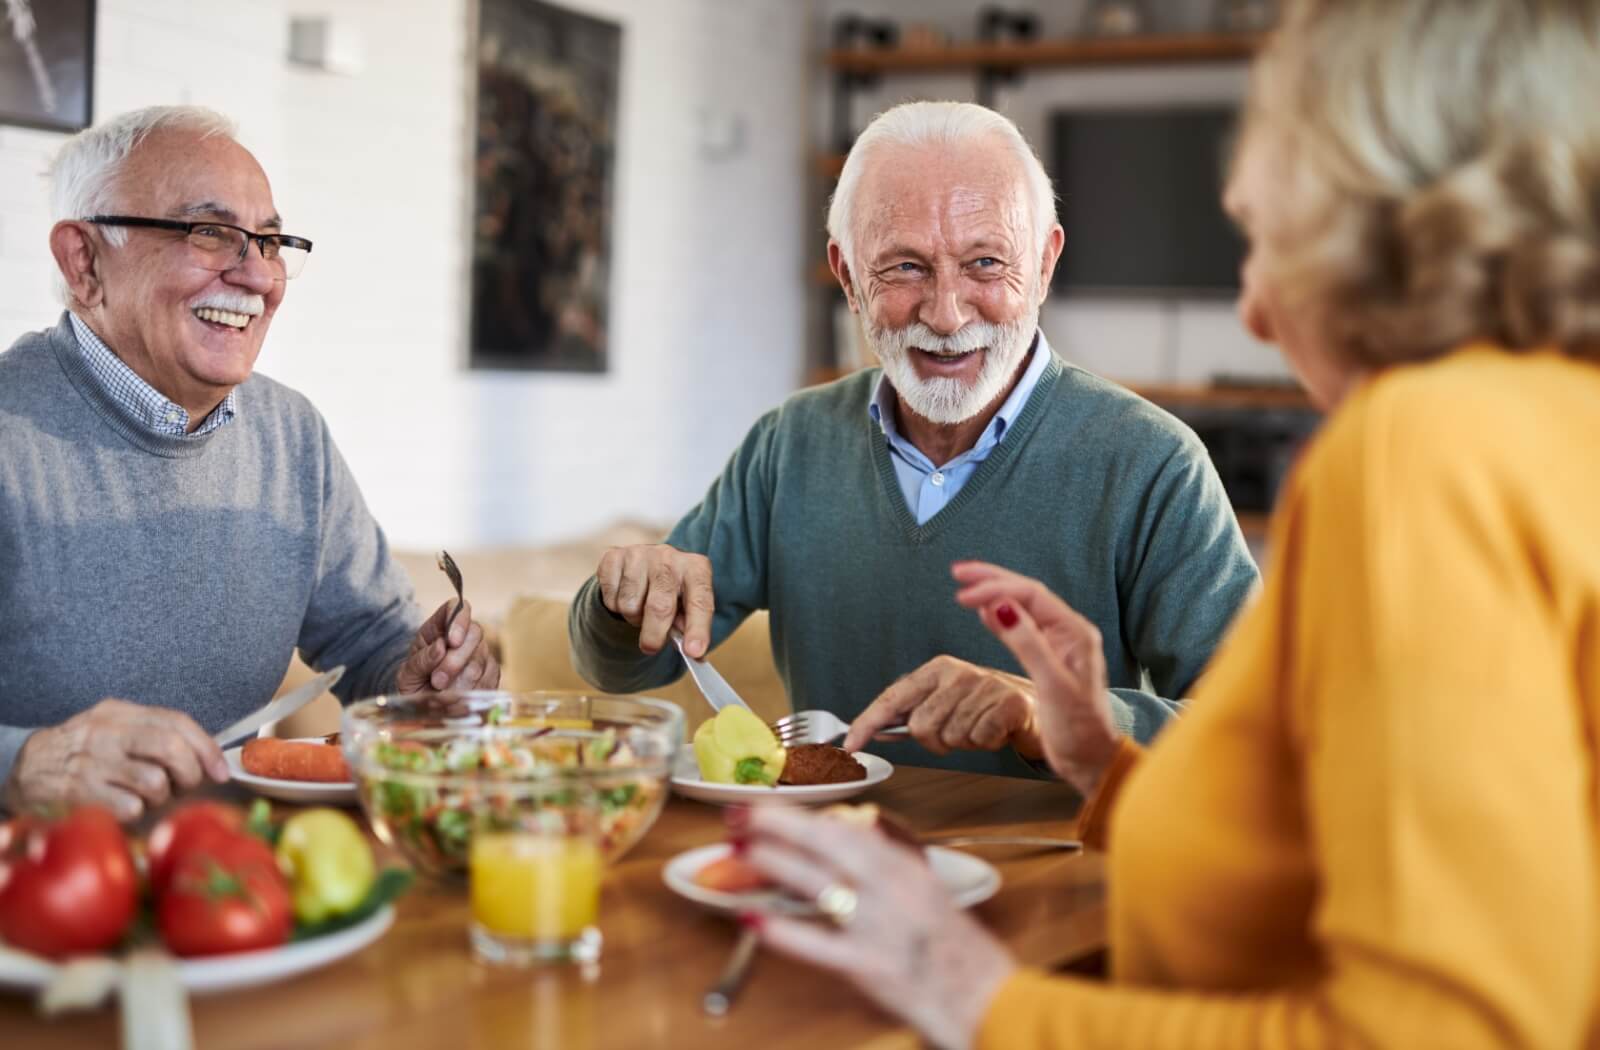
(713, 686)
(283, 707)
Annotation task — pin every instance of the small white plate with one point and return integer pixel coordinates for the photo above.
(970, 880)
(313, 791)
(686, 782)
(224, 973)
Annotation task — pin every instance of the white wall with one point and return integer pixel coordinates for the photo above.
(1136, 340)
(707, 297)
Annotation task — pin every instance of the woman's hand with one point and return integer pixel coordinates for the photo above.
(1062, 653)
(906, 946)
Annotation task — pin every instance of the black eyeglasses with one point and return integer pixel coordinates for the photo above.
(222, 246)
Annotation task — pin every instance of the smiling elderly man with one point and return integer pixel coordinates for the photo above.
(173, 527)
(845, 507)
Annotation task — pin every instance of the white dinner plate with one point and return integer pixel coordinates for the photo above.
(970, 880)
(224, 973)
(313, 791)
(686, 782)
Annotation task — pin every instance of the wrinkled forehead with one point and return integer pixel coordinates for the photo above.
(183, 175)
(943, 193)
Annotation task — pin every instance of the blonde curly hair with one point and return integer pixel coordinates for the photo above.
(1443, 163)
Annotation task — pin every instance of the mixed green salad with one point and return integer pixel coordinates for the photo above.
(432, 816)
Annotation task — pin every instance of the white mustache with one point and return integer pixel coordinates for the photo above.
(233, 302)
(946, 399)
(975, 335)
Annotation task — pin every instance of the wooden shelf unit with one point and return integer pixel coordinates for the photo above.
(1171, 395)
(1143, 49)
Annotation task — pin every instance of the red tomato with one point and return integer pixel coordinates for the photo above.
(226, 894)
(67, 886)
(182, 830)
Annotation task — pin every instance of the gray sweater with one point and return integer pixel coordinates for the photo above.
(1111, 502)
(177, 571)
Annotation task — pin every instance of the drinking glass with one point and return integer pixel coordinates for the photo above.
(534, 870)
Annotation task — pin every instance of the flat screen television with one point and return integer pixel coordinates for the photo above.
(1140, 200)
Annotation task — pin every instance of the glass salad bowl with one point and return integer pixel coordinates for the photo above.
(429, 767)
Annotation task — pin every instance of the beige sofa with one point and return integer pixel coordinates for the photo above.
(522, 594)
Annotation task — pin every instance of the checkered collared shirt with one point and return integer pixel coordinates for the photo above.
(142, 400)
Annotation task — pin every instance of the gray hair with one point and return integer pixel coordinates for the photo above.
(1445, 173)
(937, 124)
(83, 174)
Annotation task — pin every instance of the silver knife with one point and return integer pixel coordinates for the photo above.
(713, 686)
(720, 998)
(283, 707)
(1035, 841)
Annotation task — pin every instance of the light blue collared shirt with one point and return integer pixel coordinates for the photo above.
(929, 487)
(147, 404)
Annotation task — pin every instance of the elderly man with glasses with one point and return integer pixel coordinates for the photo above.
(173, 527)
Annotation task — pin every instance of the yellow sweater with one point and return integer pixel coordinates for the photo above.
(1376, 825)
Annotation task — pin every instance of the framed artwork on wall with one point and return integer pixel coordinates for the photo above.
(47, 63)
(544, 157)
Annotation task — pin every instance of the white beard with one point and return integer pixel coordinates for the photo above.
(946, 400)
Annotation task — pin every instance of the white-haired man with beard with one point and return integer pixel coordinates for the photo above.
(845, 507)
(173, 527)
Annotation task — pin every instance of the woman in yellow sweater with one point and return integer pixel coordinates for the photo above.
(1376, 826)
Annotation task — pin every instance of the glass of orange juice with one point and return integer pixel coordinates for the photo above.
(534, 871)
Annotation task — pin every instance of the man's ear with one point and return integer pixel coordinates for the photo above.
(74, 250)
(1054, 241)
(841, 273)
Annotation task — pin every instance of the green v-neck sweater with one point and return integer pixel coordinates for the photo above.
(1108, 500)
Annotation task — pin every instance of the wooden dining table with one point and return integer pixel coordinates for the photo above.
(420, 987)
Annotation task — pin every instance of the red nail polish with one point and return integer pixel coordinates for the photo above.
(1007, 616)
(752, 920)
(740, 845)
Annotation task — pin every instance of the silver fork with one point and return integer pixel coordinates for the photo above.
(824, 727)
(447, 565)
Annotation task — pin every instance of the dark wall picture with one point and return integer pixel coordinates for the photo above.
(544, 157)
(47, 63)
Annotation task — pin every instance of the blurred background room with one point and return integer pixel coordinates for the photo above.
(565, 255)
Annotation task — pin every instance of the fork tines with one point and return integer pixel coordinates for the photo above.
(447, 565)
(789, 729)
